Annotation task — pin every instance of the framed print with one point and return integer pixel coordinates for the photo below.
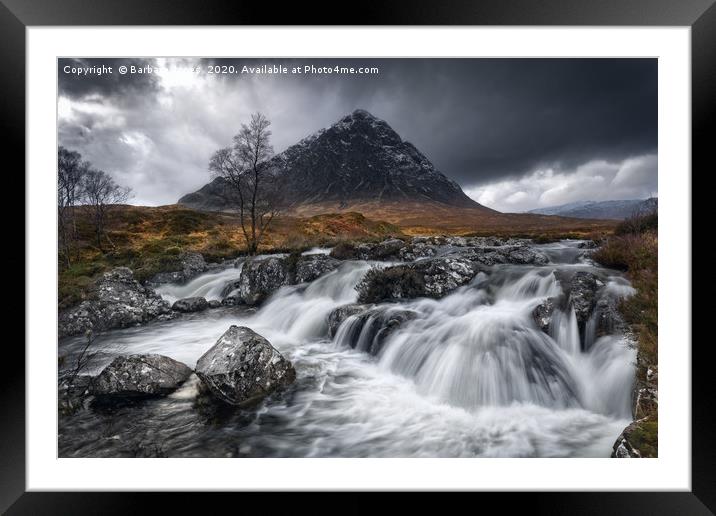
(419, 252)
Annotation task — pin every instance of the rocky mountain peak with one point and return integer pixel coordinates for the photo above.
(358, 158)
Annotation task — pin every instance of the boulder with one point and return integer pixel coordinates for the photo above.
(369, 329)
(190, 304)
(489, 255)
(523, 255)
(434, 278)
(340, 314)
(609, 319)
(638, 440)
(582, 294)
(188, 266)
(588, 244)
(115, 301)
(229, 288)
(345, 251)
(311, 267)
(214, 303)
(387, 250)
(417, 250)
(231, 301)
(243, 367)
(542, 314)
(260, 278)
(140, 376)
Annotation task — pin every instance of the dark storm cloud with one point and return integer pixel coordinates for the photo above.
(481, 121)
(77, 79)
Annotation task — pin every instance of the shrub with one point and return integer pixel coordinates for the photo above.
(638, 224)
(629, 252)
(390, 283)
(344, 251)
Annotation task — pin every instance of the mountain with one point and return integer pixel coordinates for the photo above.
(615, 210)
(358, 161)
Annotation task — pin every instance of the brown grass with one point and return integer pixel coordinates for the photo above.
(432, 218)
(151, 239)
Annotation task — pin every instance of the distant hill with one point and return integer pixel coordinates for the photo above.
(358, 159)
(613, 210)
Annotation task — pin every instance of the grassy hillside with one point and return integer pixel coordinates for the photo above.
(432, 218)
(150, 240)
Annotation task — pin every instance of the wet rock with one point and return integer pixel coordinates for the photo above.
(582, 294)
(345, 251)
(542, 314)
(435, 278)
(242, 367)
(489, 255)
(456, 241)
(417, 250)
(387, 249)
(638, 440)
(115, 301)
(260, 278)
(230, 287)
(588, 244)
(190, 304)
(232, 300)
(188, 266)
(369, 329)
(214, 303)
(340, 314)
(608, 319)
(139, 376)
(523, 255)
(311, 267)
(430, 240)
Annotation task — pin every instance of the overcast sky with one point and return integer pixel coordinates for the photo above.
(516, 134)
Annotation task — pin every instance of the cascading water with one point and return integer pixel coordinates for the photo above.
(212, 285)
(470, 374)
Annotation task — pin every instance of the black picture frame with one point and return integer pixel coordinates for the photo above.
(16, 15)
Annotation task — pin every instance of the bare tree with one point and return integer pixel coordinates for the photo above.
(73, 390)
(254, 188)
(70, 173)
(101, 193)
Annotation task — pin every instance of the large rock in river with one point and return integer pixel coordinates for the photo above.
(190, 304)
(260, 278)
(369, 326)
(139, 376)
(583, 294)
(116, 301)
(311, 267)
(243, 367)
(340, 314)
(543, 313)
(433, 277)
(188, 265)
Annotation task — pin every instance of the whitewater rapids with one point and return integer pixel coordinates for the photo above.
(470, 375)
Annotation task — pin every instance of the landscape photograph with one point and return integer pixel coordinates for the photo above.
(357, 257)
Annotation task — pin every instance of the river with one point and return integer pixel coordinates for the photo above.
(470, 375)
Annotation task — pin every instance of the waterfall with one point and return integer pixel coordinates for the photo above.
(210, 285)
(470, 374)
